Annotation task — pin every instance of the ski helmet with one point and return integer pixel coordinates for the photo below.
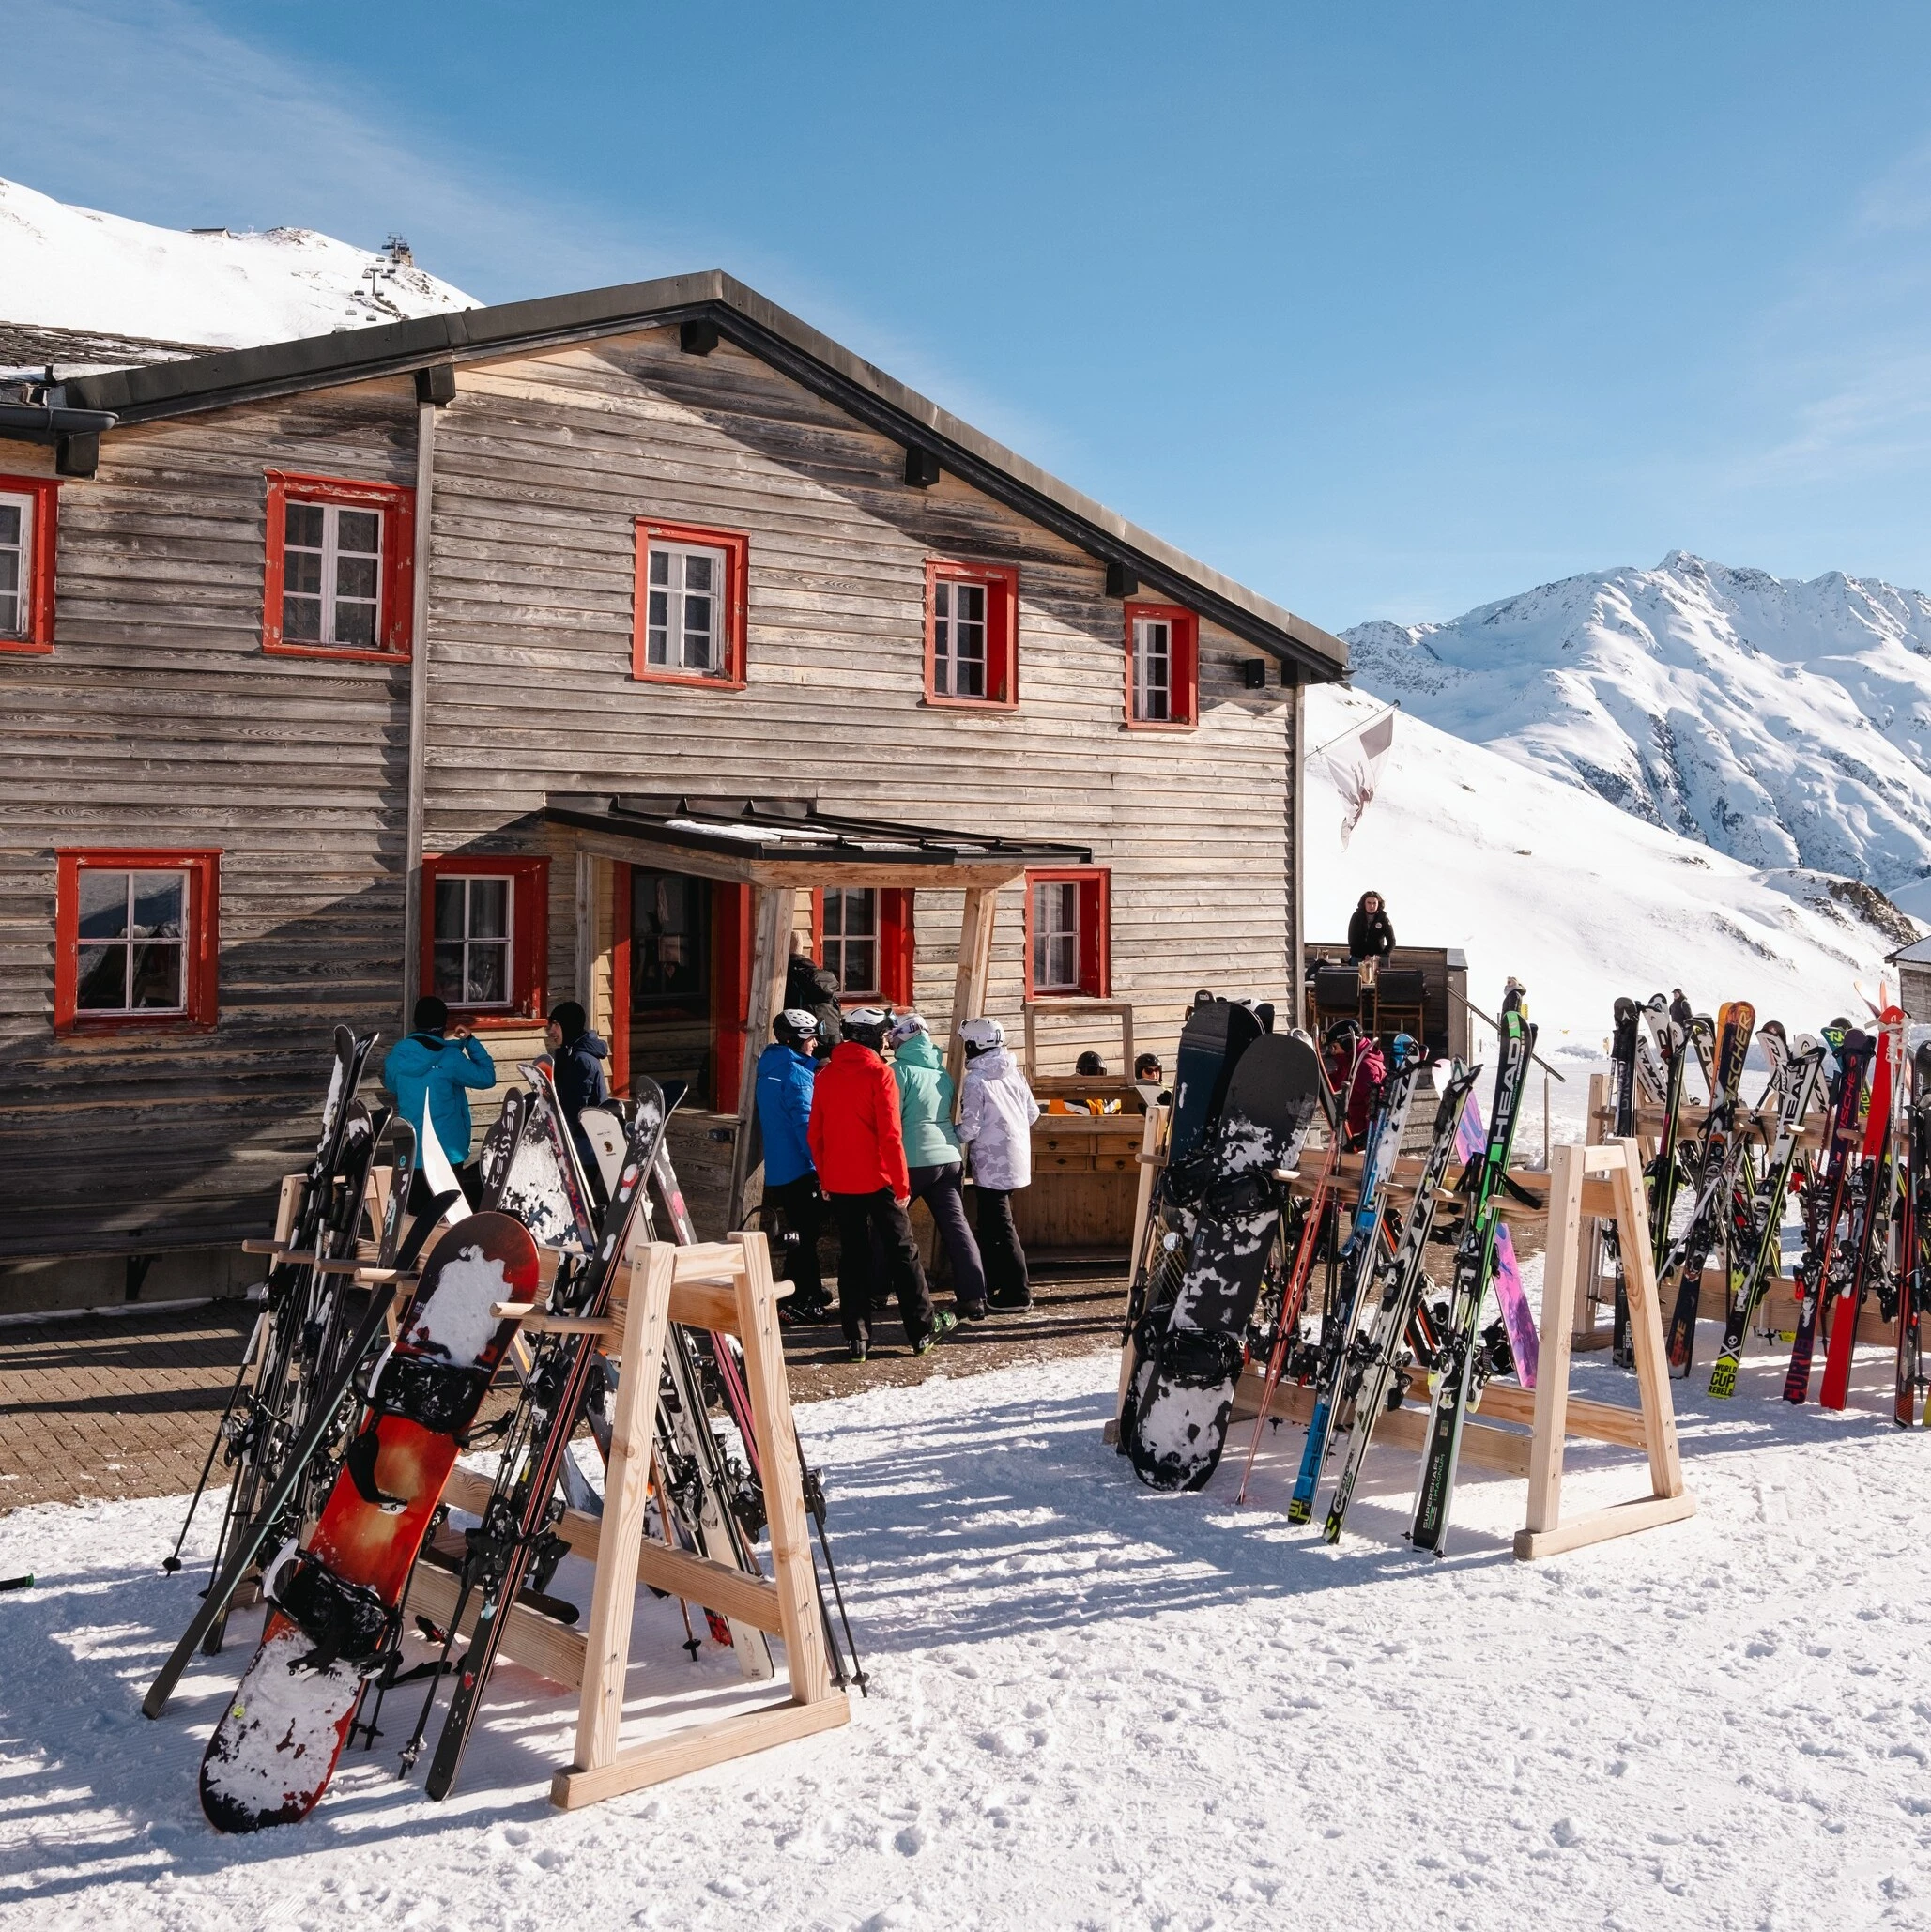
(866, 1025)
(982, 1035)
(905, 1026)
(795, 1027)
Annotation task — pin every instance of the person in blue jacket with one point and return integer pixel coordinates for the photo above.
(786, 1076)
(434, 1069)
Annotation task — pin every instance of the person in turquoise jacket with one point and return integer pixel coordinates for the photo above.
(934, 1156)
(786, 1076)
(435, 1068)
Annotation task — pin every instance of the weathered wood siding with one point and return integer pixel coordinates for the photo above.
(159, 721)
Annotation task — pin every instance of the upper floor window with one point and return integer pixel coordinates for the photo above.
(339, 567)
(1068, 937)
(972, 624)
(690, 606)
(1162, 665)
(485, 934)
(26, 563)
(135, 937)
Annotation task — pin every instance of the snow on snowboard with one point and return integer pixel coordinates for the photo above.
(335, 1605)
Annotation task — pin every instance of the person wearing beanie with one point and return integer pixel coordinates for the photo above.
(932, 1152)
(858, 1147)
(996, 1112)
(577, 1064)
(786, 1075)
(430, 1072)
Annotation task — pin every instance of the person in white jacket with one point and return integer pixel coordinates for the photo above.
(996, 1112)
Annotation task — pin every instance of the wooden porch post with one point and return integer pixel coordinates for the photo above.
(973, 970)
(773, 911)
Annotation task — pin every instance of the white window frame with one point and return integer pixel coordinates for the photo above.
(1051, 932)
(835, 942)
(330, 554)
(1153, 648)
(948, 624)
(129, 942)
(507, 941)
(674, 596)
(23, 625)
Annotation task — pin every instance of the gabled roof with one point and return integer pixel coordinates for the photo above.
(742, 317)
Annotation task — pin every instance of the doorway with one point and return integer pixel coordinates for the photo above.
(688, 970)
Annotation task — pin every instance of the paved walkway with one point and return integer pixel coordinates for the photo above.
(126, 1406)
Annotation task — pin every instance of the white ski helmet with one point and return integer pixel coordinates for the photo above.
(904, 1026)
(866, 1026)
(982, 1035)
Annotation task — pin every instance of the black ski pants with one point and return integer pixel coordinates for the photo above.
(795, 1203)
(859, 1216)
(1006, 1281)
(943, 1190)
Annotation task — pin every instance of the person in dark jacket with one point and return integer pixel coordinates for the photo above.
(810, 988)
(1371, 932)
(576, 1064)
(786, 1075)
(858, 1147)
(431, 1073)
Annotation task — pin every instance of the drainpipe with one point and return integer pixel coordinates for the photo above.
(433, 388)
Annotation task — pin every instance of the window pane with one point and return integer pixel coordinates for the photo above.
(103, 903)
(489, 972)
(355, 626)
(355, 578)
(358, 529)
(697, 572)
(13, 533)
(304, 525)
(11, 519)
(489, 907)
(861, 907)
(101, 984)
(861, 974)
(696, 634)
(971, 603)
(449, 972)
(449, 908)
(302, 619)
(157, 977)
(834, 913)
(160, 904)
(660, 569)
(302, 574)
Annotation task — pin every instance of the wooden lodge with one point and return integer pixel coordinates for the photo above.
(495, 653)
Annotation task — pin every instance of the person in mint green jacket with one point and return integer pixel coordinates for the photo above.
(934, 1156)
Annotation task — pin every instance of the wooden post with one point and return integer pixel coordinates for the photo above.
(586, 950)
(774, 911)
(1560, 1281)
(971, 971)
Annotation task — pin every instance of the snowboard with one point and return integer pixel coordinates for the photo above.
(1217, 1033)
(1175, 1426)
(336, 1602)
(540, 1181)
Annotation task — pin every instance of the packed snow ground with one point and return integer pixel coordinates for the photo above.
(73, 268)
(1093, 1706)
(1784, 723)
(1580, 901)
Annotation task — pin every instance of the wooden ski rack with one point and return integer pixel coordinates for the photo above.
(725, 1287)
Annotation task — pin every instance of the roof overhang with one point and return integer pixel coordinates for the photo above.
(788, 842)
(744, 317)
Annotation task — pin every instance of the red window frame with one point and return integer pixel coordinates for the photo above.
(1184, 690)
(1095, 933)
(529, 934)
(203, 939)
(1002, 585)
(896, 941)
(397, 503)
(44, 493)
(736, 546)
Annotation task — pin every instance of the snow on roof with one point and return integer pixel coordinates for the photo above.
(73, 268)
(1917, 954)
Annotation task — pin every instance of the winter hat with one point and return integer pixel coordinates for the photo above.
(431, 1015)
(793, 1026)
(570, 1018)
(867, 1025)
(904, 1026)
(982, 1035)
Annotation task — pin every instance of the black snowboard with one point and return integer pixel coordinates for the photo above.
(1189, 1352)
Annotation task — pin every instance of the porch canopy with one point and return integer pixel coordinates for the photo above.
(780, 847)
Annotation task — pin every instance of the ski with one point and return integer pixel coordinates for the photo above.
(1873, 1220)
(1474, 1256)
(1826, 1208)
(1914, 1245)
(1623, 1062)
(1386, 1126)
(1378, 1377)
(1671, 1042)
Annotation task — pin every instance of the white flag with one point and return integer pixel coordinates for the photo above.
(1356, 761)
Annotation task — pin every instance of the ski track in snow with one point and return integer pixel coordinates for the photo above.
(1096, 1706)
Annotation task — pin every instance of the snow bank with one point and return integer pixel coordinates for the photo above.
(1580, 901)
(1093, 1706)
(69, 268)
(1784, 723)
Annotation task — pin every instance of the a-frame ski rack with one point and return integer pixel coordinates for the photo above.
(725, 1287)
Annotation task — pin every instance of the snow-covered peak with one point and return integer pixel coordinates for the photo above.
(1785, 723)
(75, 269)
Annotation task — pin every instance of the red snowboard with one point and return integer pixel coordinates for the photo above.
(336, 1600)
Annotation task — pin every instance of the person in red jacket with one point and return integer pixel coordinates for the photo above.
(858, 1148)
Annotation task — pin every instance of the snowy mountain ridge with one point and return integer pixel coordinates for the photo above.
(1784, 723)
(75, 269)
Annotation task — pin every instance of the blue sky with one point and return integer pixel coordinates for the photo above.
(1385, 309)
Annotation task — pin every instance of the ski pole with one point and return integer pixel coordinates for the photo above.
(172, 1562)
